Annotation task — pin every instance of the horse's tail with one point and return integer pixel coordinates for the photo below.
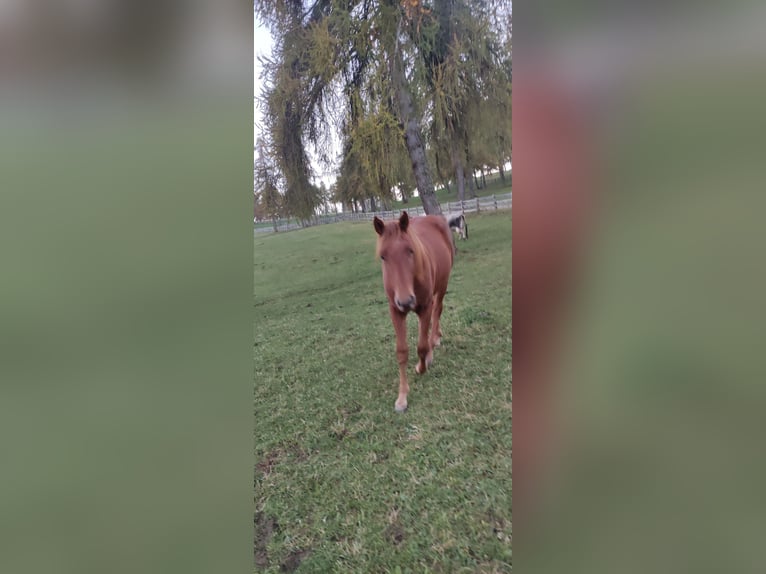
(465, 224)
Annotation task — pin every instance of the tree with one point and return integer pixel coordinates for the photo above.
(393, 77)
(465, 73)
(269, 200)
(499, 131)
(324, 193)
(353, 49)
(375, 159)
(407, 113)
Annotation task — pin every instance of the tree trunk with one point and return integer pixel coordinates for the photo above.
(460, 176)
(483, 179)
(446, 186)
(502, 173)
(412, 136)
(274, 221)
(471, 185)
(476, 183)
(372, 204)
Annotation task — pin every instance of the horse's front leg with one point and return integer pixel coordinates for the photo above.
(425, 352)
(436, 313)
(402, 354)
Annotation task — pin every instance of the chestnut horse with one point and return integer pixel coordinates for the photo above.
(416, 256)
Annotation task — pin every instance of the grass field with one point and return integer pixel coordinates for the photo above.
(344, 484)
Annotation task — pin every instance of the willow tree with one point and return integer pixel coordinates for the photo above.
(353, 63)
(500, 139)
(291, 117)
(375, 159)
(268, 198)
(464, 53)
(488, 142)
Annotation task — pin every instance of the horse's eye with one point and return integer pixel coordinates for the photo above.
(382, 258)
(410, 251)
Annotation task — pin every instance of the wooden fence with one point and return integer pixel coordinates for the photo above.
(476, 205)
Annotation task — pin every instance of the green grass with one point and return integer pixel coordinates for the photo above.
(344, 484)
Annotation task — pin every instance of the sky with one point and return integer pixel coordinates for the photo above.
(262, 44)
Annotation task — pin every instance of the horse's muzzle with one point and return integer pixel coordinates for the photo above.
(406, 304)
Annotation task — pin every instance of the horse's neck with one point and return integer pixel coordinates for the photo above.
(425, 271)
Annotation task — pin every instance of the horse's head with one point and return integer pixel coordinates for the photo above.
(400, 254)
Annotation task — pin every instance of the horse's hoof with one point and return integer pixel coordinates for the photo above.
(420, 371)
(400, 408)
(438, 342)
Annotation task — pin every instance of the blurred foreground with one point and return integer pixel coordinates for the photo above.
(639, 269)
(125, 287)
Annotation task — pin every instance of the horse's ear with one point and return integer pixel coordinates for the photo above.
(404, 221)
(379, 225)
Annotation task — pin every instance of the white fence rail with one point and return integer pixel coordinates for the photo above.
(476, 205)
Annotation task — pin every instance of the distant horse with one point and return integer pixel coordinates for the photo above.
(416, 257)
(458, 224)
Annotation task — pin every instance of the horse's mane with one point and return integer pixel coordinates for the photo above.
(420, 252)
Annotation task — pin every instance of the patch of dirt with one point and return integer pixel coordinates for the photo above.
(339, 433)
(501, 528)
(264, 531)
(394, 531)
(264, 466)
(351, 409)
(293, 560)
(298, 453)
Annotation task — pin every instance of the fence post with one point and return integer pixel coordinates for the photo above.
(494, 197)
(477, 205)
